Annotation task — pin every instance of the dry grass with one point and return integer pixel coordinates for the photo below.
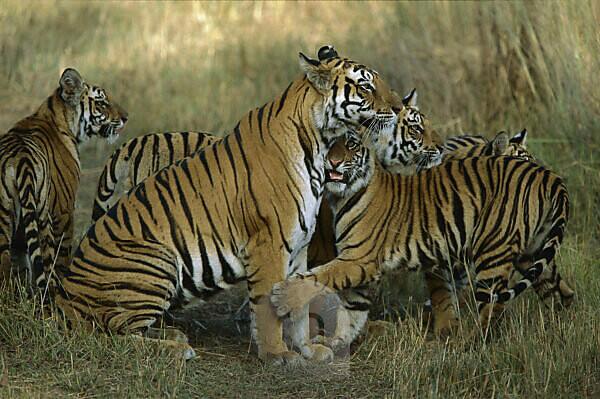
(183, 66)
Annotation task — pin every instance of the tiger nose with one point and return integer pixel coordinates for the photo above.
(335, 162)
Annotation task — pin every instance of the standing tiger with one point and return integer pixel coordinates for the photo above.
(412, 147)
(504, 216)
(423, 144)
(41, 169)
(244, 208)
(141, 157)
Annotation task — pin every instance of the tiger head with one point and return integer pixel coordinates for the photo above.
(413, 145)
(349, 166)
(98, 114)
(354, 95)
(511, 147)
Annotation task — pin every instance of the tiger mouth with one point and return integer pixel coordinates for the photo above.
(335, 177)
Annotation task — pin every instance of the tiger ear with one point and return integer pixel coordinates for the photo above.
(410, 100)
(520, 138)
(326, 53)
(317, 73)
(500, 143)
(71, 85)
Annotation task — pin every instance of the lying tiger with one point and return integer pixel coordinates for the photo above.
(466, 146)
(140, 158)
(505, 216)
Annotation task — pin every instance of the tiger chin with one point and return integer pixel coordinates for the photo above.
(41, 172)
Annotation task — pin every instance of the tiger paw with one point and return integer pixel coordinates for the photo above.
(293, 294)
(317, 353)
(287, 358)
(336, 344)
(444, 325)
(188, 353)
(377, 328)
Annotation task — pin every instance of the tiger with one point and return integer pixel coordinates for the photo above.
(322, 247)
(465, 146)
(41, 170)
(243, 208)
(412, 147)
(504, 216)
(141, 157)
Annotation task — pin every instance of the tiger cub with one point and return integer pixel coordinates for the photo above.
(504, 216)
(140, 158)
(466, 146)
(41, 170)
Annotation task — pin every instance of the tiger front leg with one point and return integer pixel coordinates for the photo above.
(293, 294)
(299, 328)
(267, 264)
(351, 317)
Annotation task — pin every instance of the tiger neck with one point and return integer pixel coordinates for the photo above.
(61, 126)
(359, 196)
(64, 122)
(306, 116)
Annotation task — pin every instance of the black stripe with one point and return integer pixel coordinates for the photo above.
(282, 100)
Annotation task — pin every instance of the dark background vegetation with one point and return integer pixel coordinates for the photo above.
(478, 67)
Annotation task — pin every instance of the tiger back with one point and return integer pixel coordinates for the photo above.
(245, 208)
(41, 171)
(141, 157)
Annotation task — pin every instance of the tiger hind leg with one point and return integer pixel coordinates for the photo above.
(549, 285)
(551, 288)
(351, 315)
(96, 294)
(171, 338)
(489, 282)
(5, 249)
(443, 304)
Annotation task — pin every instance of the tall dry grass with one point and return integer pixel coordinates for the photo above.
(479, 67)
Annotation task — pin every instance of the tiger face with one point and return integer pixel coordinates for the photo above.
(513, 147)
(349, 166)
(412, 146)
(98, 114)
(354, 94)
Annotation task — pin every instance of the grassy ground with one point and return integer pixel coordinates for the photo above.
(478, 68)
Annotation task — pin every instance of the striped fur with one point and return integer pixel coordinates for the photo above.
(503, 216)
(41, 168)
(243, 208)
(466, 146)
(413, 147)
(141, 157)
